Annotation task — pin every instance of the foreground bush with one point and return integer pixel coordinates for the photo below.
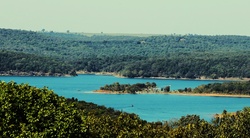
(26, 111)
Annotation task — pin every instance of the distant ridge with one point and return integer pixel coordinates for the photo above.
(134, 55)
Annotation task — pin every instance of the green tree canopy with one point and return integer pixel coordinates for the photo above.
(26, 111)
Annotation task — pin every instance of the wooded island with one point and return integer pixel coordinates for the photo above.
(131, 89)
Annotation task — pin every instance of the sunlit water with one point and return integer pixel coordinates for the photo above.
(150, 107)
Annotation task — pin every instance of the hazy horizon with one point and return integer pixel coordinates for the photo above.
(129, 17)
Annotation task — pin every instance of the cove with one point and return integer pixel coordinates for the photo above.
(150, 107)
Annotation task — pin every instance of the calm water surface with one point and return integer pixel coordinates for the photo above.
(151, 107)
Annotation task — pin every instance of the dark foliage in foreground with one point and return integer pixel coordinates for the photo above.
(27, 111)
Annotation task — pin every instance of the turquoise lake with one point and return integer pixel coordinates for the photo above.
(150, 107)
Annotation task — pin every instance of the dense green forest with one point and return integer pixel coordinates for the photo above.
(15, 63)
(176, 56)
(27, 111)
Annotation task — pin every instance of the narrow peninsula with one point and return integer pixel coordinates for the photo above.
(117, 88)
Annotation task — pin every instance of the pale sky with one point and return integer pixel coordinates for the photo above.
(205, 17)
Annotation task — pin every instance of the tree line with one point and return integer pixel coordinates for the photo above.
(242, 88)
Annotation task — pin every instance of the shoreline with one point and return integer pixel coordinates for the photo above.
(162, 78)
(100, 73)
(177, 93)
(210, 95)
(32, 74)
(120, 92)
(106, 92)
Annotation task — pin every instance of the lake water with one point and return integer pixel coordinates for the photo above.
(150, 107)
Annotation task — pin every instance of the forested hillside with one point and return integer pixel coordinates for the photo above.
(16, 63)
(178, 56)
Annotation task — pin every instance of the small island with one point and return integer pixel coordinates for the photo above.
(118, 88)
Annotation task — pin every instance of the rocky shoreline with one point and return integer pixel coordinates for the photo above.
(164, 78)
(210, 94)
(30, 73)
(120, 92)
(33, 73)
(176, 93)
